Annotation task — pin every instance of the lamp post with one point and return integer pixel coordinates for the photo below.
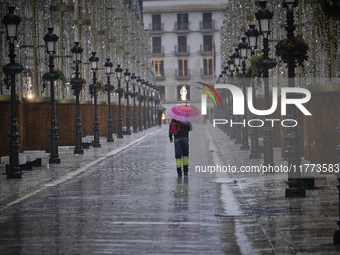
(133, 82)
(243, 47)
(336, 235)
(77, 86)
(225, 76)
(158, 109)
(154, 105)
(231, 115)
(223, 79)
(151, 99)
(295, 188)
(144, 110)
(11, 22)
(264, 16)
(252, 35)
(51, 40)
(119, 71)
(217, 108)
(127, 79)
(109, 88)
(148, 110)
(140, 122)
(236, 60)
(93, 87)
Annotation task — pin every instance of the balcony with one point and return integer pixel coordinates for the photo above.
(206, 25)
(183, 73)
(206, 49)
(206, 72)
(158, 50)
(156, 28)
(181, 27)
(182, 50)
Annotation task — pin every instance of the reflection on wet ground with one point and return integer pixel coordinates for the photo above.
(132, 202)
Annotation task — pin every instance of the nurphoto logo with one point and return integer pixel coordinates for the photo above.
(238, 105)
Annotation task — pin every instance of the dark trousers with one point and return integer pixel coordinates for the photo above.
(182, 151)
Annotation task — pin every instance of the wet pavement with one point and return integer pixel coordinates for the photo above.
(126, 198)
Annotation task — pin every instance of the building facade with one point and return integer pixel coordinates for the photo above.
(185, 41)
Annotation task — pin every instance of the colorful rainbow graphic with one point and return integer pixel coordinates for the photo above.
(209, 93)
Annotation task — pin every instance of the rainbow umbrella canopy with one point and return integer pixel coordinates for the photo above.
(185, 112)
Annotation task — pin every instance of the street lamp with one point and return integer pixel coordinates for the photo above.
(231, 65)
(157, 108)
(140, 122)
(236, 61)
(11, 22)
(109, 88)
(151, 99)
(119, 71)
(293, 153)
(236, 58)
(264, 16)
(336, 235)
(225, 76)
(231, 115)
(134, 82)
(243, 48)
(222, 110)
(127, 79)
(252, 35)
(77, 86)
(144, 115)
(93, 87)
(51, 40)
(154, 105)
(148, 110)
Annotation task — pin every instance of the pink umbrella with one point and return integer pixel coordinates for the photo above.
(185, 112)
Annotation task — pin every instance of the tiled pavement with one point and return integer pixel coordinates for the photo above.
(125, 198)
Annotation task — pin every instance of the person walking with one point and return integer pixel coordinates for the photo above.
(180, 131)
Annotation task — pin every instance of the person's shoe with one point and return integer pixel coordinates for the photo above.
(179, 171)
(185, 170)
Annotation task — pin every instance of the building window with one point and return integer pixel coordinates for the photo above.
(183, 93)
(182, 21)
(156, 45)
(162, 92)
(158, 68)
(183, 67)
(156, 22)
(182, 44)
(207, 66)
(207, 21)
(207, 43)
